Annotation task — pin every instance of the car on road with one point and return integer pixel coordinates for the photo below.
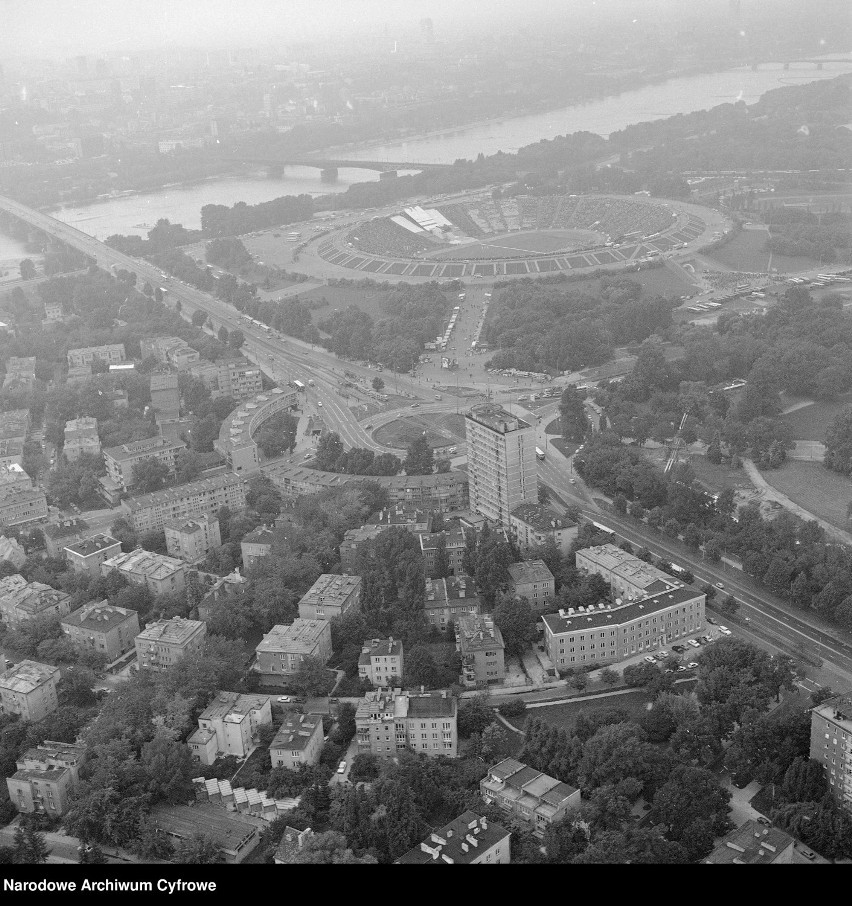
(724, 630)
(649, 660)
(693, 643)
(341, 768)
(319, 403)
(692, 666)
(333, 701)
(719, 585)
(808, 854)
(415, 405)
(284, 698)
(454, 449)
(662, 654)
(680, 668)
(573, 480)
(678, 648)
(705, 640)
(711, 621)
(368, 425)
(762, 819)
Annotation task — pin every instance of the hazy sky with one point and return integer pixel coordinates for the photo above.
(64, 27)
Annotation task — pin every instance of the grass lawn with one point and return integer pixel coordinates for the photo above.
(441, 429)
(817, 489)
(565, 447)
(369, 300)
(747, 252)
(718, 478)
(811, 422)
(554, 427)
(565, 715)
(658, 281)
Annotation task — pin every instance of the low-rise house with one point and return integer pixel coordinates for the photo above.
(89, 554)
(455, 544)
(284, 648)
(192, 538)
(298, 741)
(12, 552)
(20, 374)
(381, 662)
(81, 436)
(226, 588)
(403, 516)
(170, 351)
(449, 599)
(256, 545)
(45, 778)
(111, 354)
(29, 690)
(627, 575)
(534, 524)
(527, 794)
(165, 642)
(480, 643)
(21, 601)
(121, 461)
(160, 574)
(753, 844)
(229, 725)
(102, 627)
(469, 839)
(331, 596)
(389, 720)
(531, 579)
(353, 542)
(58, 535)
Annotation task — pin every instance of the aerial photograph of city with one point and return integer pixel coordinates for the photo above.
(425, 437)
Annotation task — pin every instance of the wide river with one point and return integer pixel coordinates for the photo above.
(136, 214)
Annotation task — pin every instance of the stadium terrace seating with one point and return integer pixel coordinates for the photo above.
(384, 237)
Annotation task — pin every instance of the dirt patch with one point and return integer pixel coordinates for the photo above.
(441, 429)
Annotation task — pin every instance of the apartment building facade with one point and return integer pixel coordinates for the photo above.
(160, 574)
(381, 662)
(165, 642)
(298, 741)
(192, 538)
(20, 504)
(29, 690)
(831, 745)
(389, 720)
(501, 462)
(610, 633)
(102, 627)
(534, 524)
(528, 795)
(235, 376)
(454, 542)
(121, 461)
(480, 643)
(284, 648)
(256, 545)
(81, 436)
(331, 596)
(22, 601)
(354, 540)
(447, 600)
(229, 725)
(149, 512)
(45, 778)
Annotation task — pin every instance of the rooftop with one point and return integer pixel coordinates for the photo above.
(478, 633)
(233, 706)
(162, 381)
(454, 538)
(300, 637)
(27, 676)
(66, 527)
(454, 588)
(615, 614)
(140, 447)
(331, 588)
(176, 631)
(88, 546)
(396, 703)
(541, 518)
(838, 710)
(751, 844)
(235, 432)
(189, 525)
(152, 566)
(296, 474)
(495, 417)
(296, 731)
(100, 616)
(400, 515)
(529, 571)
(229, 829)
(30, 598)
(456, 843)
(263, 534)
(517, 776)
(380, 648)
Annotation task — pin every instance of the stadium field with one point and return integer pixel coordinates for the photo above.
(522, 245)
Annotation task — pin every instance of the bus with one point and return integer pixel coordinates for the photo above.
(603, 528)
(539, 453)
(299, 386)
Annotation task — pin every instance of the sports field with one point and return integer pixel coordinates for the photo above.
(811, 422)
(441, 430)
(522, 245)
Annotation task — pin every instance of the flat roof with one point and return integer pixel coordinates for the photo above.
(495, 417)
(181, 492)
(176, 631)
(153, 566)
(530, 571)
(239, 704)
(456, 843)
(379, 648)
(162, 381)
(541, 518)
(750, 844)
(189, 525)
(296, 731)
(300, 637)
(478, 633)
(88, 546)
(141, 447)
(235, 433)
(27, 676)
(837, 710)
(98, 616)
(454, 588)
(614, 615)
(331, 588)
(229, 829)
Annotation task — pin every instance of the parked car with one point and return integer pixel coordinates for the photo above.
(661, 655)
(762, 819)
(649, 660)
(341, 768)
(693, 643)
(724, 630)
(678, 648)
(711, 621)
(808, 854)
(719, 585)
(284, 698)
(692, 666)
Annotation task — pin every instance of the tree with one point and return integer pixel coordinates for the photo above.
(690, 798)
(474, 715)
(236, 338)
(30, 846)
(169, 767)
(419, 459)
(730, 605)
(804, 781)
(609, 676)
(199, 849)
(223, 334)
(122, 531)
(76, 687)
(420, 668)
(312, 678)
(329, 848)
(92, 855)
(28, 269)
(516, 621)
(150, 475)
(198, 317)
(378, 384)
(277, 434)
(365, 766)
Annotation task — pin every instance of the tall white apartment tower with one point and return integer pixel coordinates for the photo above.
(501, 462)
